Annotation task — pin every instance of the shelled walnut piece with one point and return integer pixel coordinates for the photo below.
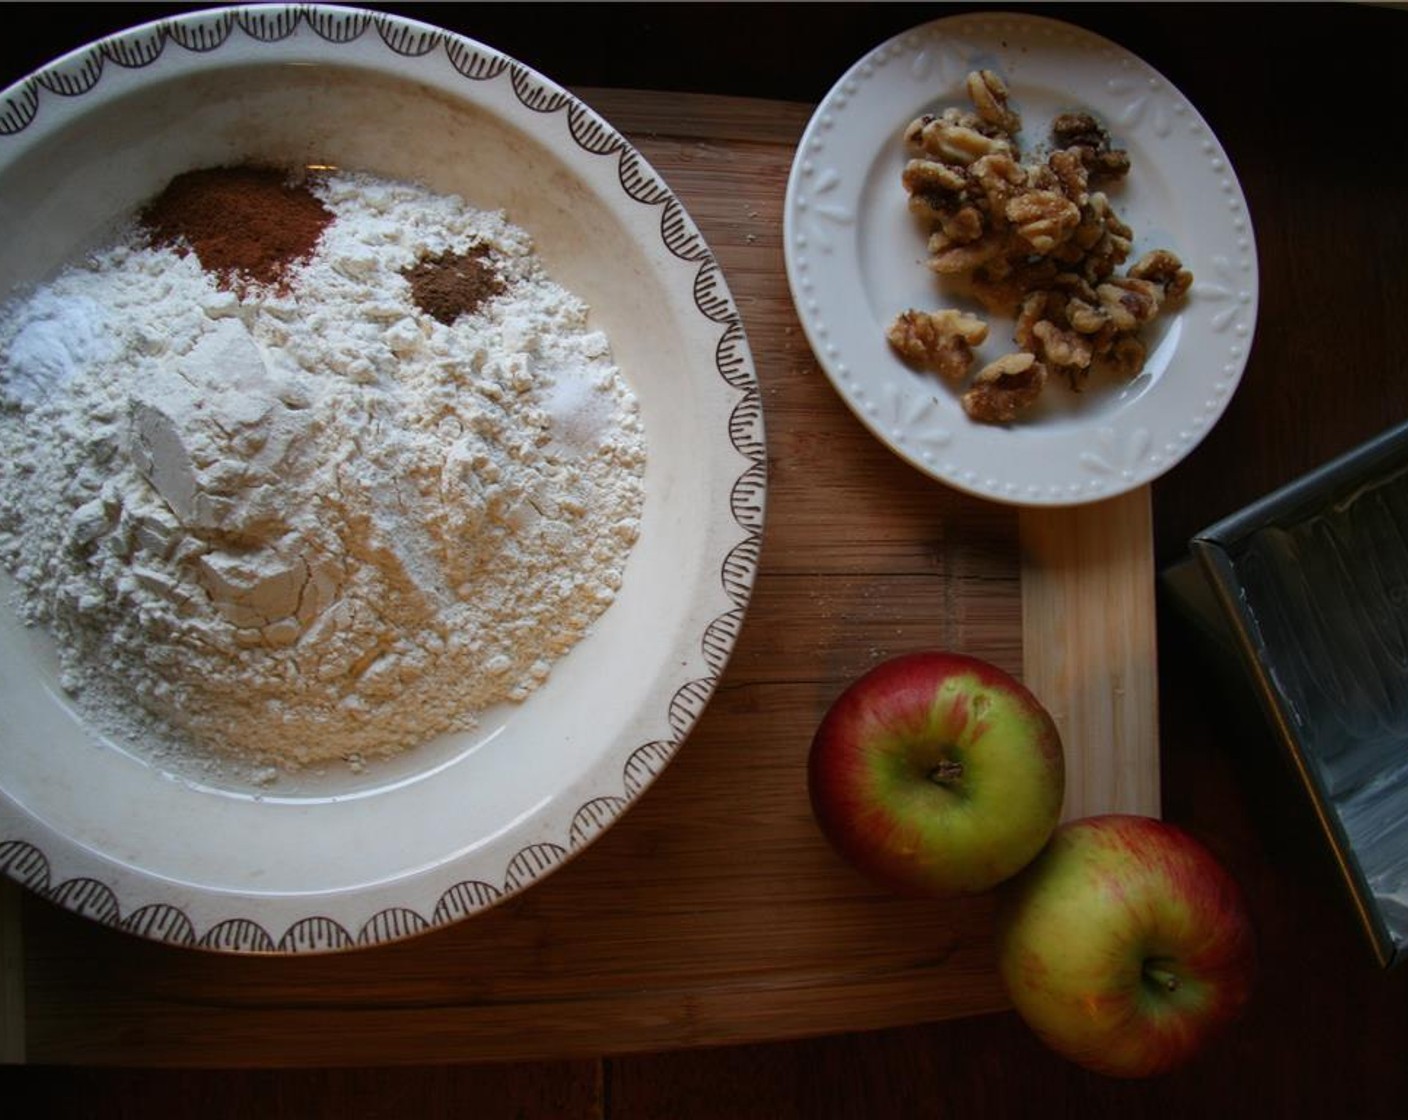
(1003, 389)
(1036, 241)
(941, 341)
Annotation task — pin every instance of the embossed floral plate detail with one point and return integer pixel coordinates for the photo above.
(856, 257)
(323, 862)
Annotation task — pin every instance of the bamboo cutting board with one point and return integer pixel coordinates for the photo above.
(712, 912)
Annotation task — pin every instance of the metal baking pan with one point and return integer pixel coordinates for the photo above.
(1308, 589)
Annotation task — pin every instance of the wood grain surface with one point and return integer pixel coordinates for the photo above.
(1090, 648)
(712, 913)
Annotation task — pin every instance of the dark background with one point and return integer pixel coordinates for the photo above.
(1308, 100)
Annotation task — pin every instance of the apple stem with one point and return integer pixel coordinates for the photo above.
(945, 772)
(1165, 979)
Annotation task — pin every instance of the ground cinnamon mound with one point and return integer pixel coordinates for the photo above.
(449, 285)
(244, 223)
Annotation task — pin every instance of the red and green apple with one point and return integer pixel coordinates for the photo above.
(937, 773)
(1126, 945)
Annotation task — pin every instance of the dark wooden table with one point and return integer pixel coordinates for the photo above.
(1303, 98)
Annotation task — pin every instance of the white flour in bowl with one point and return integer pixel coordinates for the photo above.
(312, 522)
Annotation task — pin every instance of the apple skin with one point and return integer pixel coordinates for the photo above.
(937, 774)
(1126, 945)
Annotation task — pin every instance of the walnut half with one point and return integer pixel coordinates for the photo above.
(1004, 389)
(988, 93)
(941, 341)
(1163, 267)
(1083, 133)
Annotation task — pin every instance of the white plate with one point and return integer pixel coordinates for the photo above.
(855, 258)
(340, 860)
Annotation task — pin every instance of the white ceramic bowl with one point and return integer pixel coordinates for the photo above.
(465, 821)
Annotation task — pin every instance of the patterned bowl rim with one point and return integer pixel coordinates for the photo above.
(96, 888)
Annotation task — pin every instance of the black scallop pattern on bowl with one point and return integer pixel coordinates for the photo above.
(205, 32)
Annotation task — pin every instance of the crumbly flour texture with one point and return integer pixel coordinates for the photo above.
(289, 528)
